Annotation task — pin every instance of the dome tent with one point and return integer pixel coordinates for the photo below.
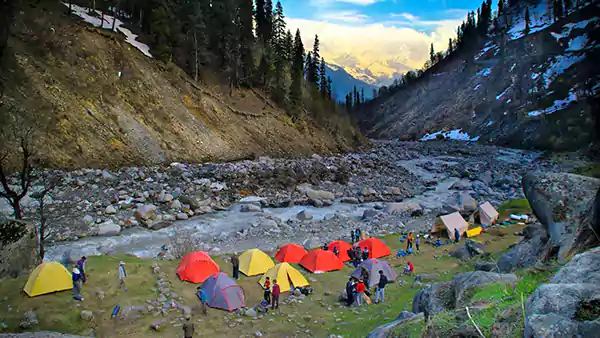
(46, 278)
(195, 267)
(373, 266)
(224, 293)
(342, 247)
(287, 277)
(290, 253)
(321, 261)
(255, 262)
(376, 247)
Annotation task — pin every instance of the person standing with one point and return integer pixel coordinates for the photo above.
(365, 254)
(380, 291)
(235, 262)
(188, 328)
(352, 237)
(360, 292)
(456, 235)
(364, 274)
(80, 265)
(203, 298)
(357, 234)
(336, 251)
(358, 255)
(276, 291)
(77, 281)
(350, 292)
(267, 287)
(122, 276)
(409, 240)
(417, 242)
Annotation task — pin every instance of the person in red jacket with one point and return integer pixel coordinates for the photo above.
(409, 268)
(360, 291)
(275, 295)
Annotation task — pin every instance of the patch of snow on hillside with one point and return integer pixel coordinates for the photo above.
(95, 21)
(455, 134)
(558, 105)
(512, 67)
(558, 66)
(489, 123)
(578, 43)
(502, 94)
(477, 87)
(540, 20)
(557, 36)
(580, 25)
(484, 50)
(484, 72)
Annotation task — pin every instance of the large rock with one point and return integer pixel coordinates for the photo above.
(192, 201)
(468, 250)
(466, 202)
(19, 255)
(570, 305)
(110, 210)
(86, 315)
(403, 207)
(145, 212)
(109, 228)
(434, 299)
(350, 200)
(250, 208)
(525, 253)
(320, 195)
(561, 203)
(29, 320)
(465, 281)
(385, 330)
(304, 215)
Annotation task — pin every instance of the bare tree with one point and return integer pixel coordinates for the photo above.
(23, 137)
(42, 230)
(183, 241)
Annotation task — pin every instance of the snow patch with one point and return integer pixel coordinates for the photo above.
(512, 67)
(484, 50)
(455, 134)
(489, 123)
(558, 105)
(484, 72)
(578, 43)
(580, 25)
(502, 94)
(96, 21)
(557, 67)
(477, 87)
(540, 20)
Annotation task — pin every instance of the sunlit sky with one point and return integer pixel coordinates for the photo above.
(377, 34)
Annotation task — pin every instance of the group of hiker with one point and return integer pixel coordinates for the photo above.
(272, 293)
(409, 241)
(357, 288)
(79, 276)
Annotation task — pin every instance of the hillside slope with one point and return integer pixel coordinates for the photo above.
(538, 92)
(106, 104)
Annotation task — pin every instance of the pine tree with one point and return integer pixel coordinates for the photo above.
(362, 95)
(356, 103)
(432, 55)
(323, 78)
(288, 46)
(349, 102)
(196, 27)
(316, 58)
(297, 71)
(501, 5)
(278, 31)
(557, 9)
(329, 86)
(527, 21)
(259, 16)
(568, 5)
(246, 42)
(450, 49)
(268, 33)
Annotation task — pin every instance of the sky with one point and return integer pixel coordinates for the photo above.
(384, 36)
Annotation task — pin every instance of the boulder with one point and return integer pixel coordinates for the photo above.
(168, 217)
(310, 243)
(250, 208)
(350, 200)
(193, 202)
(176, 204)
(109, 229)
(583, 268)
(464, 281)
(145, 212)
(19, 255)
(403, 207)
(88, 220)
(165, 198)
(160, 225)
(392, 191)
(320, 195)
(366, 191)
(304, 215)
(486, 266)
(158, 325)
(182, 216)
(463, 184)
(29, 320)
(561, 203)
(468, 250)
(369, 213)
(386, 330)
(86, 315)
(525, 253)
(434, 299)
(110, 210)
(253, 200)
(466, 202)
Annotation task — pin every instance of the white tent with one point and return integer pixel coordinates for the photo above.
(451, 222)
(488, 214)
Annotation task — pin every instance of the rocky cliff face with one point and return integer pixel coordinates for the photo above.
(532, 90)
(107, 104)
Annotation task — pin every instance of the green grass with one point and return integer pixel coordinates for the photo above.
(514, 207)
(318, 315)
(590, 170)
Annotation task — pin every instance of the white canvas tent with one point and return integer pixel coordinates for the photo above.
(451, 222)
(487, 214)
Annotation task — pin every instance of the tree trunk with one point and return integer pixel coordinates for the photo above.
(115, 11)
(101, 19)
(17, 208)
(141, 17)
(94, 6)
(6, 7)
(70, 7)
(196, 52)
(42, 230)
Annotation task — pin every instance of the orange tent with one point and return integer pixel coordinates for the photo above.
(291, 253)
(342, 247)
(376, 247)
(321, 261)
(196, 267)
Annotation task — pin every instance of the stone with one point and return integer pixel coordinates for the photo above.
(186, 311)
(369, 213)
(250, 208)
(157, 325)
(88, 219)
(29, 320)
(110, 210)
(434, 298)
(86, 315)
(465, 281)
(304, 215)
(108, 176)
(319, 194)
(525, 253)
(165, 198)
(393, 191)
(583, 268)
(403, 207)
(168, 217)
(258, 334)
(253, 200)
(317, 203)
(160, 225)
(145, 212)
(468, 250)
(310, 243)
(182, 216)
(100, 294)
(19, 257)
(109, 229)
(367, 191)
(193, 202)
(486, 266)
(561, 203)
(466, 202)
(350, 200)
(250, 313)
(176, 205)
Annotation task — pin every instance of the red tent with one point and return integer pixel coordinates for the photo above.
(291, 253)
(196, 267)
(342, 247)
(321, 261)
(376, 247)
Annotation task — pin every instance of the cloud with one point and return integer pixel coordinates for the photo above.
(407, 16)
(344, 16)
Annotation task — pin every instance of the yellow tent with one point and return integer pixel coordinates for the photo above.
(474, 232)
(255, 262)
(287, 277)
(47, 278)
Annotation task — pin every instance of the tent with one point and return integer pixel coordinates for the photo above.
(474, 232)
(321, 261)
(487, 214)
(342, 247)
(376, 247)
(47, 278)
(222, 292)
(287, 277)
(451, 222)
(373, 266)
(255, 262)
(291, 253)
(195, 267)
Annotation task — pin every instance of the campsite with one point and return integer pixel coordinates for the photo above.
(318, 314)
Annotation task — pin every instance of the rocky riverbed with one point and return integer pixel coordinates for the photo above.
(391, 187)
